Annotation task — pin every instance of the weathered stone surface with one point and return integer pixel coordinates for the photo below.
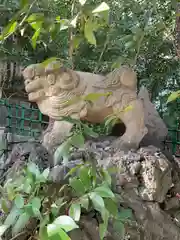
(156, 179)
(51, 87)
(154, 123)
(145, 181)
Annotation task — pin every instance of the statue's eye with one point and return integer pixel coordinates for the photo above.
(115, 81)
(27, 81)
(66, 77)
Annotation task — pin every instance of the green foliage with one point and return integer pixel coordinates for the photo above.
(88, 191)
(173, 96)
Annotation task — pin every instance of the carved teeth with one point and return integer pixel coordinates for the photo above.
(35, 96)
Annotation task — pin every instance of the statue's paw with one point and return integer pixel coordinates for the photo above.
(122, 145)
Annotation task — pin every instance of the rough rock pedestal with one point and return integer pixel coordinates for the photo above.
(144, 180)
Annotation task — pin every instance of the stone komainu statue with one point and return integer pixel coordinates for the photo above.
(52, 86)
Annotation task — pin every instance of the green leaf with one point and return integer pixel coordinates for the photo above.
(37, 213)
(89, 34)
(35, 17)
(106, 176)
(111, 206)
(75, 211)
(84, 177)
(35, 37)
(101, 8)
(54, 232)
(128, 108)
(73, 170)
(4, 205)
(111, 120)
(97, 201)
(62, 222)
(27, 186)
(62, 151)
(54, 210)
(63, 235)
(105, 215)
(36, 202)
(10, 192)
(33, 169)
(46, 173)
(21, 223)
(82, 2)
(36, 25)
(95, 96)
(9, 29)
(76, 42)
(19, 201)
(104, 192)
(102, 230)
(125, 214)
(66, 223)
(50, 60)
(119, 227)
(173, 96)
(54, 237)
(94, 176)
(103, 226)
(12, 217)
(129, 44)
(77, 140)
(89, 131)
(23, 3)
(28, 209)
(84, 201)
(43, 235)
(77, 185)
(3, 228)
(58, 18)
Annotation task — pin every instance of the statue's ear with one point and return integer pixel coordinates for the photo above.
(128, 77)
(68, 79)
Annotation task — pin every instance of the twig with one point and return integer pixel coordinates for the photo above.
(18, 235)
(138, 49)
(101, 55)
(71, 37)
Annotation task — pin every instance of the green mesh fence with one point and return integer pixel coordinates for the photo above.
(22, 119)
(28, 121)
(173, 139)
